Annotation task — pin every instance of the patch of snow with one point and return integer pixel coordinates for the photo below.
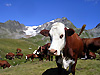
(31, 30)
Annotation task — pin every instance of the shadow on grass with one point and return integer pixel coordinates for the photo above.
(54, 71)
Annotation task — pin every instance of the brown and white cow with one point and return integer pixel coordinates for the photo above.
(92, 44)
(4, 64)
(66, 45)
(10, 56)
(43, 52)
(32, 56)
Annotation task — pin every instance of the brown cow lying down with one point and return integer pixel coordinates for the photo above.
(92, 44)
(91, 55)
(66, 45)
(42, 52)
(4, 64)
(10, 56)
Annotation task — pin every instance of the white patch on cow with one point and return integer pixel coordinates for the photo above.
(91, 57)
(57, 43)
(85, 57)
(10, 67)
(67, 63)
(35, 52)
(38, 52)
(26, 57)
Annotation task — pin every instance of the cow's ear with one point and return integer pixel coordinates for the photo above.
(69, 32)
(45, 32)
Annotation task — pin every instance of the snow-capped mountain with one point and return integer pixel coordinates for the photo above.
(30, 30)
(15, 30)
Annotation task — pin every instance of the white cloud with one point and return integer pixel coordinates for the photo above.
(8, 4)
(95, 1)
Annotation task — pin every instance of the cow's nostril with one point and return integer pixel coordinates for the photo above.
(55, 51)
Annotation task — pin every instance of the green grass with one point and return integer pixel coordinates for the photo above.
(84, 67)
(39, 40)
(10, 45)
(19, 67)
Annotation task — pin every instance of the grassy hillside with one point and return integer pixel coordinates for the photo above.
(38, 40)
(10, 45)
(19, 67)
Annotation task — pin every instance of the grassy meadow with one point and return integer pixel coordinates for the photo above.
(20, 67)
(84, 67)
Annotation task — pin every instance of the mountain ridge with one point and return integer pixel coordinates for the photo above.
(11, 29)
(15, 30)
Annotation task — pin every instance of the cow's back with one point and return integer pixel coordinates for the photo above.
(92, 43)
(74, 44)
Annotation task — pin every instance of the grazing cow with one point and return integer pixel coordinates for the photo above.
(4, 64)
(92, 44)
(43, 50)
(32, 56)
(19, 55)
(66, 45)
(18, 50)
(10, 56)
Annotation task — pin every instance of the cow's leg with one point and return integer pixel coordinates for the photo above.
(32, 59)
(4, 66)
(87, 53)
(41, 59)
(73, 67)
(59, 66)
(21, 56)
(51, 58)
(47, 57)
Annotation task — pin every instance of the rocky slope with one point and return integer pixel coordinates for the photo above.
(15, 30)
(95, 32)
(12, 29)
(49, 24)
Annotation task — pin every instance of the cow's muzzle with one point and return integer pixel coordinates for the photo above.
(53, 52)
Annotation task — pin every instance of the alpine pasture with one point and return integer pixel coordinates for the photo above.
(20, 67)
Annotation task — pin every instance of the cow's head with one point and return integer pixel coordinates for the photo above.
(57, 33)
(39, 50)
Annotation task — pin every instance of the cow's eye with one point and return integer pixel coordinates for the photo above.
(61, 36)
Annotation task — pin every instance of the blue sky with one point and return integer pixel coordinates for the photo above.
(37, 12)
